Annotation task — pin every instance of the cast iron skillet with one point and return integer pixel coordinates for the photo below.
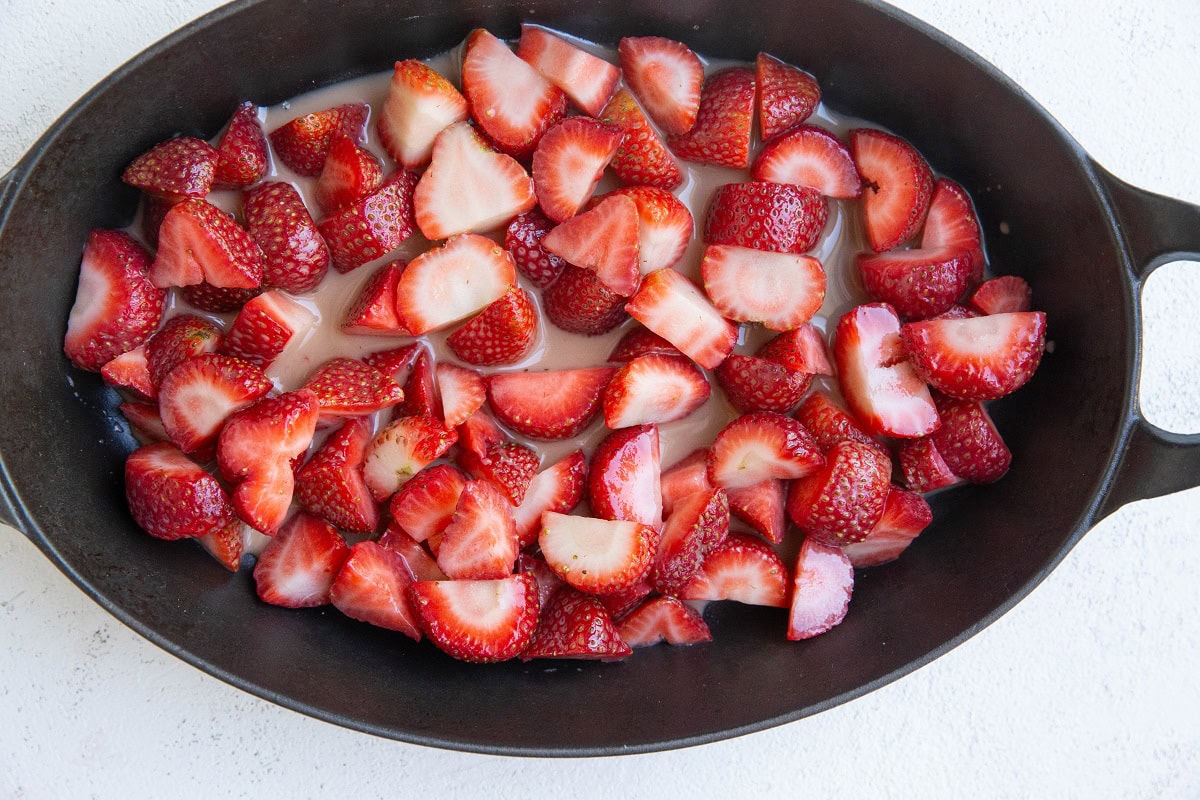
(1083, 239)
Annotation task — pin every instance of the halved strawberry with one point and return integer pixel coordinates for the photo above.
(639, 341)
(424, 505)
(481, 539)
(653, 390)
(227, 544)
(809, 156)
(509, 466)
(373, 312)
(170, 496)
(116, 306)
(181, 337)
(373, 226)
(199, 242)
(372, 586)
(623, 481)
(420, 104)
(981, 358)
(842, 501)
(685, 477)
(917, 283)
(452, 282)
(175, 169)
(721, 135)
(665, 226)
(523, 241)
(350, 173)
(905, 515)
(951, 223)
(131, 371)
(264, 327)
(760, 446)
(509, 99)
(662, 619)
(420, 563)
(303, 143)
(569, 162)
(297, 569)
(786, 96)
(557, 488)
(586, 79)
(575, 625)
(478, 620)
(330, 485)
(676, 309)
(922, 465)
(642, 158)
(462, 391)
(502, 333)
(347, 387)
(969, 442)
(604, 240)
(420, 389)
(598, 556)
(666, 76)
(776, 217)
(758, 384)
(828, 423)
(879, 383)
(801, 349)
(897, 186)
(548, 405)
(761, 506)
(742, 569)
(394, 362)
(295, 257)
(699, 523)
(242, 157)
(205, 297)
(1003, 295)
(579, 302)
(821, 589)
(401, 450)
(145, 421)
(199, 394)
(780, 290)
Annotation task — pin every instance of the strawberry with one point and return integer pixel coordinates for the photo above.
(255, 451)
(604, 240)
(653, 390)
(666, 77)
(417, 558)
(558, 488)
(618, 604)
(575, 625)
(330, 485)
(480, 541)
(673, 307)
(639, 341)
(664, 226)
(905, 515)
(303, 143)
(297, 569)
(587, 80)
(801, 349)
(579, 302)
(743, 569)
(757, 384)
(957, 311)
(829, 424)
(922, 465)
(879, 383)
(401, 450)
(372, 227)
(780, 290)
(980, 358)
(917, 283)
(699, 523)
(509, 99)
(951, 223)
(116, 306)
(420, 104)
(174, 170)
(598, 556)
(1003, 295)
(373, 312)
(623, 482)
(264, 327)
(394, 362)
(663, 619)
(199, 394)
(548, 405)
(469, 187)
(686, 477)
(131, 371)
(809, 156)
(569, 162)
(523, 241)
(153, 210)
(502, 333)
(897, 186)
(452, 282)
(777, 217)
(642, 158)
(969, 442)
(242, 157)
(721, 135)
(350, 173)
(180, 338)
(420, 390)
(821, 587)
(761, 506)
(199, 242)
(295, 257)
(842, 501)
(786, 96)
(145, 421)
(346, 387)
(171, 497)
(478, 620)
(548, 583)
(479, 434)
(423, 506)
(760, 446)
(509, 466)
(462, 391)
(226, 545)
(206, 297)
(372, 586)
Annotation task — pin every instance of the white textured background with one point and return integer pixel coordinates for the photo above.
(1087, 689)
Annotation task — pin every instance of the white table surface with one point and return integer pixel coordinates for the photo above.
(1087, 689)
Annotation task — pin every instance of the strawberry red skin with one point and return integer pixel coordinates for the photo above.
(779, 446)
(639, 341)
(548, 405)
(330, 485)
(298, 567)
(917, 283)
(577, 626)
(171, 497)
(372, 586)
(757, 384)
(200, 243)
(424, 505)
(802, 349)
(206, 297)
(420, 103)
(523, 241)
(654, 389)
(699, 523)
(667, 77)
(843, 500)
(348, 387)
(766, 216)
(395, 361)
(175, 169)
(500, 334)
(623, 482)
(420, 390)
(295, 257)
(373, 226)
(226, 545)
(350, 173)
(951, 222)
(442, 622)
(509, 466)
(721, 135)
(968, 441)
(211, 386)
(603, 239)
(566, 480)
(579, 302)
(672, 306)
(145, 421)
(828, 423)
(263, 328)
(687, 476)
(242, 150)
(786, 95)
(897, 186)
(947, 354)
(180, 338)
(642, 158)
(303, 143)
(922, 465)
(905, 515)
(663, 618)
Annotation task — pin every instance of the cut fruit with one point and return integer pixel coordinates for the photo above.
(951, 223)
(199, 394)
(557, 488)
(758, 384)
(569, 162)
(480, 541)
(698, 524)
(663, 619)
(401, 450)
(743, 569)
(298, 567)
(303, 143)
(969, 442)
(665, 226)
(174, 170)
(917, 283)
(676, 309)
(373, 312)
(623, 482)
(1003, 295)
(502, 333)
(980, 358)
(295, 257)
(897, 186)
(171, 497)
(478, 620)
(721, 135)
(813, 157)
(575, 625)
(603, 240)
(666, 77)
(420, 104)
(761, 446)
(452, 282)
(589, 81)
(786, 96)
(347, 387)
(200, 243)
(905, 515)
(643, 158)
(775, 217)
(842, 501)
(597, 556)
(654, 389)
(424, 505)
(264, 327)
(548, 405)
(800, 350)
(372, 586)
(579, 302)
(330, 485)
(821, 589)
(780, 290)
(373, 226)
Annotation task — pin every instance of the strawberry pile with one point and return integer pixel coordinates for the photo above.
(404, 480)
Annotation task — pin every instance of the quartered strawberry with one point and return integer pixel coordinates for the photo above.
(372, 586)
(170, 496)
(264, 327)
(480, 541)
(478, 620)
(450, 283)
(548, 405)
(420, 389)
(758, 384)
(951, 223)
(200, 243)
(801, 349)
(597, 556)
(897, 186)
(226, 545)
(509, 466)
(604, 240)
(654, 389)
(174, 170)
(586, 79)
(761, 506)
(699, 523)
(922, 465)
(981, 358)
(502, 333)
(687, 476)
(618, 604)
(199, 394)
(373, 226)
(373, 312)
(330, 485)
(905, 515)
(721, 135)
(242, 157)
(152, 212)
(577, 626)
(303, 143)
(778, 217)
(205, 297)
(829, 423)
(957, 312)
(116, 306)
(145, 421)
(809, 156)
(509, 99)
(623, 481)
(569, 162)
(295, 257)
(548, 582)
(676, 309)
(579, 302)
(786, 96)
(663, 619)
(780, 290)
(394, 362)
(743, 569)
(643, 157)
(401, 450)
(523, 241)
(423, 506)
(639, 341)
(821, 587)
(666, 77)
(420, 562)
(462, 391)
(350, 173)
(182, 337)
(479, 434)
(347, 387)
(558, 488)
(969, 442)
(420, 104)
(1003, 295)
(761, 446)
(842, 501)
(917, 283)
(297, 569)
(665, 226)
(131, 371)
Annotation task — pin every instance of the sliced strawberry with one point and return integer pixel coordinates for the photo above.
(828, 423)
(639, 341)
(821, 589)
(481, 539)
(373, 226)
(420, 563)
(801, 349)
(452, 282)
(905, 515)
(879, 383)
(623, 482)
(761, 506)
(350, 173)
(226, 545)
(199, 242)
(394, 362)
(721, 135)
(509, 466)
(509, 99)
(478, 620)
(462, 391)
(297, 569)
(131, 371)
(665, 226)
(423, 506)
(175, 169)
(666, 77)
(303, 143)
(152, 212)
(264, 327)
(917, 283)
(347, 387)
(523, 241)
(170, 496)
(579, 302)
(957, 312)
(372, 586)
(502, 333)
(180, 338)
(548, 405)
(598, 556)
(844, 499)
(604, 240)
(373, 312)
(199, 394)
(643, 157)
(922, 465)
(420, 390)
(242, 157)
(981, 358)
(295, 257)
(786, 96)
(663, 619)
(897, 186)
(743, 569)
(686, 477)
(548, 582)
(952, 223)
(420, 104)
(776, 217)
(587, 80)
(757, 384)
(677, 310)
(780, 290)
(330, 485)
(618, 604)
(575, 625)
(116, 306)
(761, 446)
(653, 390)
(1003, 295)
(699, 523)
(969, 442)
(205, 297)
(558, 488)
(479, 434)
(809, 156)
(569, 162)
(401, 450)
(145, 421)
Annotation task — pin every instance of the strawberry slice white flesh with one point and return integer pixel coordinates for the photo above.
(462, 390)
(452, 282)
(587, 80)
(372, 586)
(400, 451)
(663, 619)
(761, 446)
(666, 77)
(597, 555)
(898, 186)
(780, 290)
(743, 569)
(478, 620)
(420, 104)
(569, 162)
(821, 589)
(604, 240)
(559, 488)
(677, 310)
(654, 389)
(809, 156)
(481, 540)
(298, 567)
(980, 358)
